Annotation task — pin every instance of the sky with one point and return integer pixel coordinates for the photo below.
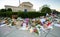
(53, 4)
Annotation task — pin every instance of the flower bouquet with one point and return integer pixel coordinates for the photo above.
(38, 28)
(36, 31)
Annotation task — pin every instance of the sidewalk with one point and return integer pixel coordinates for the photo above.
(13, 32)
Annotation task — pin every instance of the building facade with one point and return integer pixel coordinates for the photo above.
(24, 6)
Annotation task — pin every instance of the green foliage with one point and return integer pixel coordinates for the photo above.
(22, 14)
(9, 9)
(6, 10)
(5, 14)
(3, 10)
(45, 9)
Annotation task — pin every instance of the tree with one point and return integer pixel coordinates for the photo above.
(55, 12)
(45, 9)
(9, 9)
(3, 10)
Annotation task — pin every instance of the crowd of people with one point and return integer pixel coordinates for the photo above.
(27, 23)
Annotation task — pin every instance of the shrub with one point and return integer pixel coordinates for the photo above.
(9, 9)
(22, 14)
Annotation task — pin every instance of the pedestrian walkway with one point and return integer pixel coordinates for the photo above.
(13, 32)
